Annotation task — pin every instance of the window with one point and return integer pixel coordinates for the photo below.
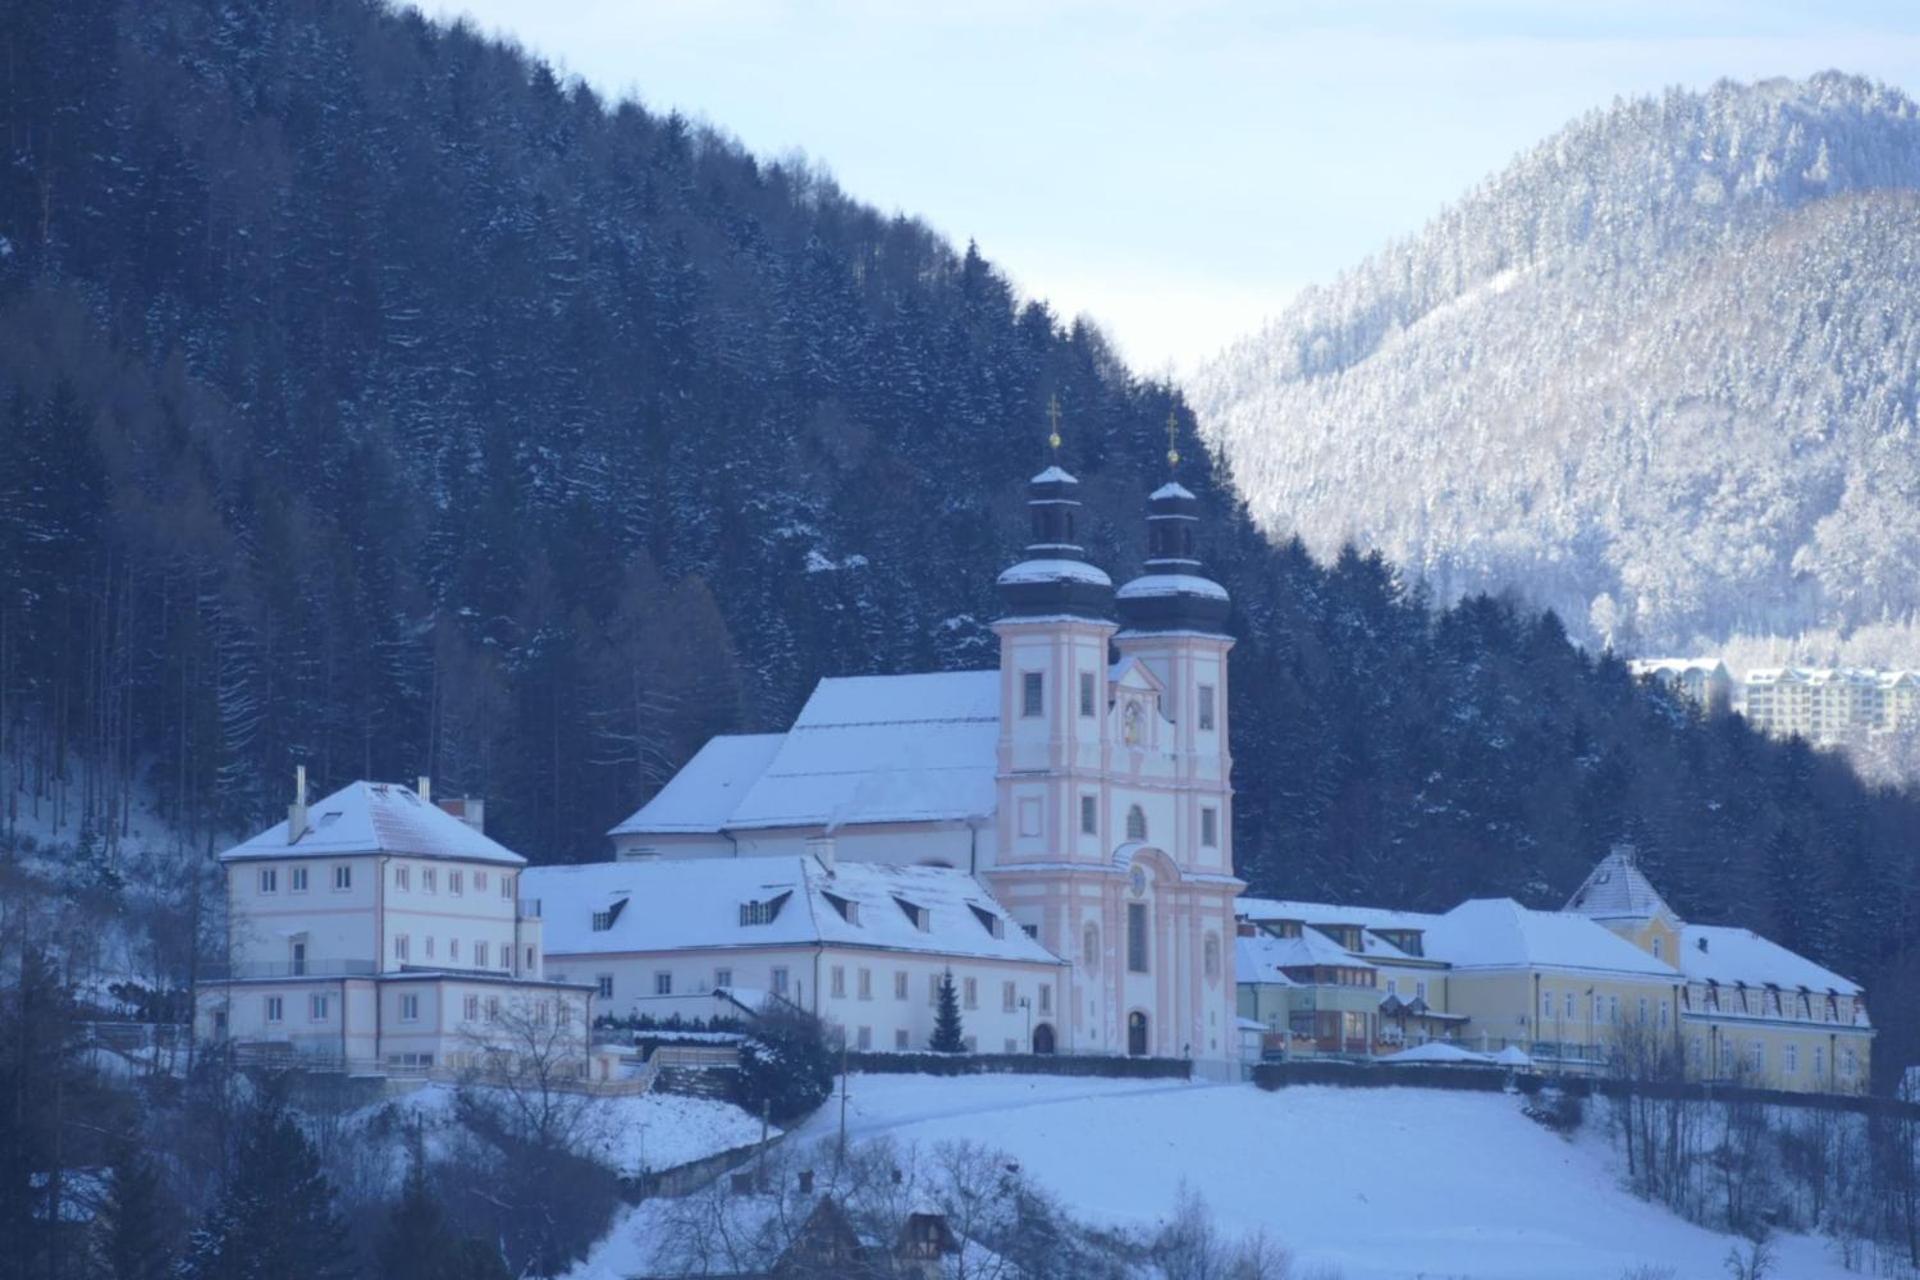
(663, 983)
(1850, 1064)
(1090, 948)
(752, 913)
(1420, 989)
(317, 1008)
(865, 1038)
(866, 984)
(1643, 1011)
(506, 886)
(848, 909)
(269, 880)
(1206, 708)
(1086, 694)
(1210, 827)
(1046, 997)
(722, 978)
(1009, 997)
(471, 1009)
(1032, 701)
(493, 1008)
(1210, 958)
(899, 984)
(839, 982)
(401, 946)
(1659, 946)
(276, 1009)
(1136, 823)
(1546, 1006)
(1393, 986)
(410, 1008)
(1792, 1063)
(429, 946)
(603, 985)
(1666, 1013)
(299, 878)
(1089, 815)
(343, 877)
(900, 1038)
(479, 882)
(1726, 1057)
(533, 958)
(602, 921)
(1756, 1057)
(480, 955)
(1136, 937)
(1569, 1014)
(453, 950)
(970, 993)
(1819, 1062)
(429, 880)
(402, 878)
(1613, 1008)
(454, 882)
(779, 981)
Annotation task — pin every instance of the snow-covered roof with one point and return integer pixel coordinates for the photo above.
(1060, 570)
(1262, 959)
(1734, 956)
(1676, 666)
(864, 749)
(1171, 489)
(1441, 1053)
(1499, 933)
(709, 787)
(1268, 909)
(1055, 474)
(1616, 889)
(376, 817)
(1171, 584)
(702, 903)
(867, 749)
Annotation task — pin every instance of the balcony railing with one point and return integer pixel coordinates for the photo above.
(217, 972)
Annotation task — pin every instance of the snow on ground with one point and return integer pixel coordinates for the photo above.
(652, 1131)
(1383, 1184)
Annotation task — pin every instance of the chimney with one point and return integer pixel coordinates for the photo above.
(424, 789)
(821, 847)
(297, 811)
(466, 809)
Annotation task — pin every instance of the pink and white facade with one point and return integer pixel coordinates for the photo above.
(1085, 783)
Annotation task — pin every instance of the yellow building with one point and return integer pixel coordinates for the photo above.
(1750, 1010)
(1569, 989)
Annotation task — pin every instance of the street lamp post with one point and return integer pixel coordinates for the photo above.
(1026, 1004)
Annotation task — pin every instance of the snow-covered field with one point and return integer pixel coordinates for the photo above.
(1379, 1183)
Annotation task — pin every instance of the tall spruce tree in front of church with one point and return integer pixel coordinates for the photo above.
(947, 1037)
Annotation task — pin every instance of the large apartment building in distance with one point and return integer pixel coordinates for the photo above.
(1824, 705)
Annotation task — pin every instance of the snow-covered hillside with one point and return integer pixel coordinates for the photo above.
(1660, 374)
(1378, 1183)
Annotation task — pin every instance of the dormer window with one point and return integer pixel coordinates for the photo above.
(919, 915)
(603, 920)
(753, 913)
(992, 923)
(849, 909)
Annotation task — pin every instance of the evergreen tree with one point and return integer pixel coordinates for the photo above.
(275, 1218)
(415, 1244)
(136, 1240)
(947, 1033)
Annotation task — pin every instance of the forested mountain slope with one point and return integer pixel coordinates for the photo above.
(373, 400)
(1660, 374)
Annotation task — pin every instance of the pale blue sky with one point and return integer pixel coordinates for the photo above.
(1175, 169)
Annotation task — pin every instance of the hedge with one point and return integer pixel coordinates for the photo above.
(1030, 1064)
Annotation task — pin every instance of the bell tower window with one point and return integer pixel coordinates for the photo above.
(1206, 708)
(1086, 694)
(1136, 824)
(1032, 690)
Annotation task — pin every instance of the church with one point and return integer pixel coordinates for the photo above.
(1080, 793)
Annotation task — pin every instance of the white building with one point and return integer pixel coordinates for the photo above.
(372, 931)
(864, 945)
(1084, 783)
(1830, 704)
(1705, 682)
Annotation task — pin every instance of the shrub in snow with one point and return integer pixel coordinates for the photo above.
(1558, 1110)
(786, 1064)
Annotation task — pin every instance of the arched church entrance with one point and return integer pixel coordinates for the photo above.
(1137, 1034)
(1043, 1038)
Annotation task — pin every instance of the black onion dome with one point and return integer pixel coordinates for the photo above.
(1173, 594)
(1055, 577)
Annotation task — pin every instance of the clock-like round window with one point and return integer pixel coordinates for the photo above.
(1137, 880)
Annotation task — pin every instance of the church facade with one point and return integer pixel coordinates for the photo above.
(1083, 786)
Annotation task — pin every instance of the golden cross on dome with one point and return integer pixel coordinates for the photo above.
(1173, 435)
(1053, 418)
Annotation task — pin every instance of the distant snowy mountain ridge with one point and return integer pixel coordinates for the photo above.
(1659, 374)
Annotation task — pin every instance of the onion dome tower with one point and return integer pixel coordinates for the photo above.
(1055, 578)
(1173, 594)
